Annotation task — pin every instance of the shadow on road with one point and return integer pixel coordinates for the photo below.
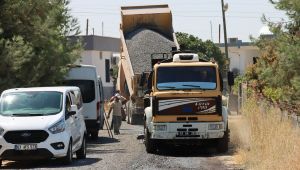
(77, 163)
(189, 151)
(104, 151)
(102, 140)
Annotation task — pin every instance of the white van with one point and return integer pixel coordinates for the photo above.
(42, 123)
(85, 77)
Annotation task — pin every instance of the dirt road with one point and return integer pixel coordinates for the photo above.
(126, 152)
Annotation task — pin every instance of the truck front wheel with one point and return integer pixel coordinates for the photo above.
(223, 142)
(149, 143)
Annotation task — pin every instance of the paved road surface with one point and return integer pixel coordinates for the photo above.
(126, 152)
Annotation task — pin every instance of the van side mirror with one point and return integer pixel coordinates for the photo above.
(73, 110)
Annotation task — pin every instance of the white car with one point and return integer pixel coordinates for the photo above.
(42, 123)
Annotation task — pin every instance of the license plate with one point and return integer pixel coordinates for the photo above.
(188, 134)
(26, 147)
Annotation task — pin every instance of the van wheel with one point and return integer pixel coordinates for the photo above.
(69, 157)
(94, 134)
(223, 142)
(149, 143)
(81, 153)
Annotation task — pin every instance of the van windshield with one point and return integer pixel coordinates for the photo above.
(32, 103)
(186, 78)
(87, 88)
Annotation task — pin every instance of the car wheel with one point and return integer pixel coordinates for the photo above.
(94, 134)
(149, 143)
(81, 153)
(69, 157)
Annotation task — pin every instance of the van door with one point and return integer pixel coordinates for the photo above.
(70, 121)
(75, 98)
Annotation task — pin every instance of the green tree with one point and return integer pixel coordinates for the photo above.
(278, 68)
(34, 48)
(205, 49)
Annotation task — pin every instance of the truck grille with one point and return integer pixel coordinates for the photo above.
(26, 136)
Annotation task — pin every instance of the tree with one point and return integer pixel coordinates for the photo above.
(34, 48)
(205, 49)
(278, 67)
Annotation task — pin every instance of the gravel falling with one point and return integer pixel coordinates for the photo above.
(141, 43)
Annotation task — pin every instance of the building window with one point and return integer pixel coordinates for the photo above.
(107, 66)
(100, 55)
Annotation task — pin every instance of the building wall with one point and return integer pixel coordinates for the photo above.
(97, 58)
(241, 58)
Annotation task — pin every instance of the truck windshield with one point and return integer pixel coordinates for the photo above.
(187, 77)
(33, 103)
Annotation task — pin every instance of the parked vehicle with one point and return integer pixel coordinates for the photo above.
(183, 104)
(85, 77)
(42, 123)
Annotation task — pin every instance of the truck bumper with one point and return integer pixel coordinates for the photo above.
(183, 131)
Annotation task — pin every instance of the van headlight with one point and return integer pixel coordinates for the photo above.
(57, 127)
(1, 131)
(160, 127)
(215, 126)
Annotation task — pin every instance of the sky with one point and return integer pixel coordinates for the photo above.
(200, 18)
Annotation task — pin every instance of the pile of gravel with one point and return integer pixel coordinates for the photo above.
(143, 42)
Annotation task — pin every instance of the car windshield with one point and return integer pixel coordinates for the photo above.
(33, 103)
(186, 78)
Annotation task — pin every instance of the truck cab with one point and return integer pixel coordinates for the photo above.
(183, 104)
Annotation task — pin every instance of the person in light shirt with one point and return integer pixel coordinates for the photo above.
(116, 108)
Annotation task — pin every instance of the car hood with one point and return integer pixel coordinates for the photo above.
(9, 123)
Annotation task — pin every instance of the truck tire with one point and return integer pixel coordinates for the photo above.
(223, 142)
(149, 143)
(0, 162)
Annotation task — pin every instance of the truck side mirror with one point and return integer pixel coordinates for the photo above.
(230, 78)
(142, 79)
(148, 91)
(149, 83)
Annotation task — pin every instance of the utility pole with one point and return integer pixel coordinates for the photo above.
(87, 26)
(219, 33)
(211, 34)
(224, 26)
(102, 28)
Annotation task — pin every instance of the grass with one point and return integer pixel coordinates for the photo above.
(265, 139)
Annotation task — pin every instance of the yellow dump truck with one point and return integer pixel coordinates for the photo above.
(144, 30)
(183, 104)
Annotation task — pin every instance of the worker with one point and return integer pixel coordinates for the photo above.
(116, 108)
(123, 100)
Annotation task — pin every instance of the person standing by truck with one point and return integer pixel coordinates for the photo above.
(116, 108)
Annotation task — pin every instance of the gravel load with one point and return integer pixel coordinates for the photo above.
(143, 42)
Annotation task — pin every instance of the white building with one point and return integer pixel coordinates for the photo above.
(241, 54)
(102, 52)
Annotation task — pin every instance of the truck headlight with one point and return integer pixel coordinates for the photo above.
(160, 127)
(57, 127)
(215, 126)
(1, 131)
